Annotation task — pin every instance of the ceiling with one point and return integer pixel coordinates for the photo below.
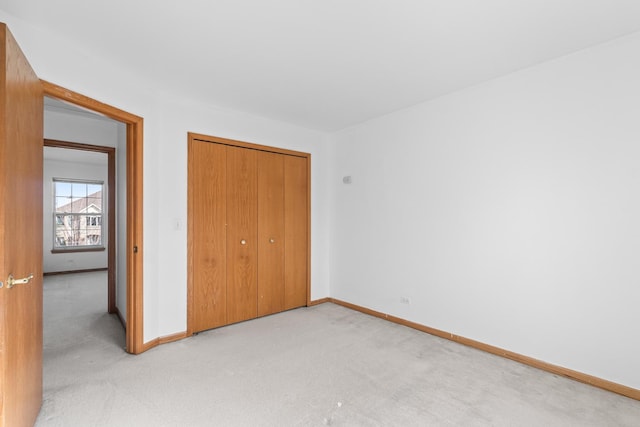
(328, 64)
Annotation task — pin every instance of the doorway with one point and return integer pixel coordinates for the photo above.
(133, 248)
(82, 162)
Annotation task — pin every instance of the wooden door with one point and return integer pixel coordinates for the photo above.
(242, 234)
(208, 213)
(21, 98)
(296, 217)
(248, 222)
(270, 233)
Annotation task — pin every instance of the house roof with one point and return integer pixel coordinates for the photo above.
(91, 204)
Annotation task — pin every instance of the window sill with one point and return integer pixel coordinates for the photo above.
(76, 249)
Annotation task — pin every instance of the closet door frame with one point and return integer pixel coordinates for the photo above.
(191, 139)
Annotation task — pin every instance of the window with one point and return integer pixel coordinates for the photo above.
(77, 214)
(93, 221)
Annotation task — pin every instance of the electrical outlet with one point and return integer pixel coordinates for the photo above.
(405, 300)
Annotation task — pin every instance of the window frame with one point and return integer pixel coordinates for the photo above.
(82, 217)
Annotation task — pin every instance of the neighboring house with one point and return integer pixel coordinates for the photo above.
(75, 224)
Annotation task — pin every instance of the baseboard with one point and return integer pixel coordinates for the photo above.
(318, 302)
(163, 340)
(121, 317)
(149, 345)
(180, 335)
(558, 370)
(171, 338)
(86, 270)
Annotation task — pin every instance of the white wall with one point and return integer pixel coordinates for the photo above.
(53, 262)
(165, 227)
(167, 119)
(507, 213)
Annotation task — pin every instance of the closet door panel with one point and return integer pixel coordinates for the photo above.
(297, 240)
(242, 242)
(270, 233)
(207, 184)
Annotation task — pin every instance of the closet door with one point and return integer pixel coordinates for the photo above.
(208, 211)
(248, 231)
(270, 233)
(242, 239)
(296, 217)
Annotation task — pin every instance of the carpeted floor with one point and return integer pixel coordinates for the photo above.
(325, 365)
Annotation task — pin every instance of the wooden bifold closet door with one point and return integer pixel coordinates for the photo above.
(248, 231)
(270, 233)
(242, 234)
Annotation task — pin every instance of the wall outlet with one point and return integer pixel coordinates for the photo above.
(405, 300)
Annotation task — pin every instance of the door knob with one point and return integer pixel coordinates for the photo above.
(11, 282)
(272, 240)
(243, 242)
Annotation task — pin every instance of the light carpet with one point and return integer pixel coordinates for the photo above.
(325, 365)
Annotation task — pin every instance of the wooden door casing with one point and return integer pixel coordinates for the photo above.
(134, 218)
(271, 227)
(21, 134)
